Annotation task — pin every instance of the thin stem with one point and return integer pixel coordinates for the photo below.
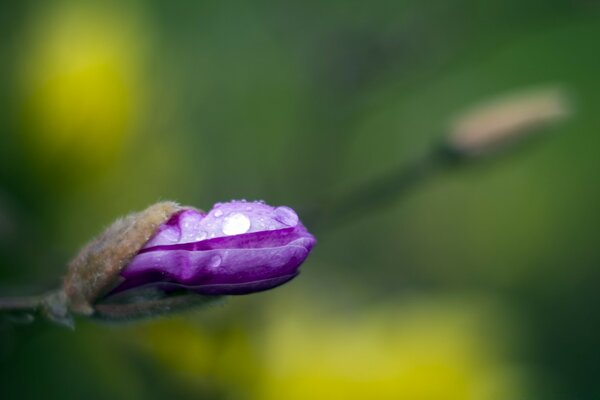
(338, 209)
(51, 306)
(21, 304)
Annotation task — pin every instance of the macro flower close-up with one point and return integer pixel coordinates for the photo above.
(170, 257)
(299, 200)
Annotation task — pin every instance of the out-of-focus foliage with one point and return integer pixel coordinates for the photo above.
(479, 285)
(433, 349)
(77, 88)
(418, 348)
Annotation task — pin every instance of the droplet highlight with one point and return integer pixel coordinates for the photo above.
(236, 224)
(215, 261)
(200, 235)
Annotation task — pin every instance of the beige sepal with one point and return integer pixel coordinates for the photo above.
(96, 269)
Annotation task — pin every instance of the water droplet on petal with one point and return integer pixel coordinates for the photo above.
(218, 213)
(236, 224)
(200, 235)
(215, 261)
(286, 215)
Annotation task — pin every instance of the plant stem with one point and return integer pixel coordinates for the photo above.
(50, 305)
(338, 209)
(21, 304)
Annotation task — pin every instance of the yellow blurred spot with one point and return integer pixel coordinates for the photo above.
(79, 87)
(414, 352)
(424, 349)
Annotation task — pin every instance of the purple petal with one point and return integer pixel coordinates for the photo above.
(237, 247)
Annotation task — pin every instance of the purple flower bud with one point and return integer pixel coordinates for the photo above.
(236, 248)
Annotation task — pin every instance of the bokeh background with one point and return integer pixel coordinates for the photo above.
(481, 284)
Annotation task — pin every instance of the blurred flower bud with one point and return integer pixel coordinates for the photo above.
(495, 125)
(170, 257)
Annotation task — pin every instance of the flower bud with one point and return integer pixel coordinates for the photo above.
(494, 125)
(236, 248)
(170, 257)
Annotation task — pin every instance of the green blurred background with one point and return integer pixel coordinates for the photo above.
(481, 284)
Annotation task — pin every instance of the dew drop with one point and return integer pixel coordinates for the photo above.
(236, 224)
(200, 235)
(261, 224)
(218, 213)
(286, 215)
(215, 261)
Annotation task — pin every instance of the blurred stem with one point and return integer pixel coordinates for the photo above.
(337, 209)
(21, 304)
(479, 133)
(51, 306)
